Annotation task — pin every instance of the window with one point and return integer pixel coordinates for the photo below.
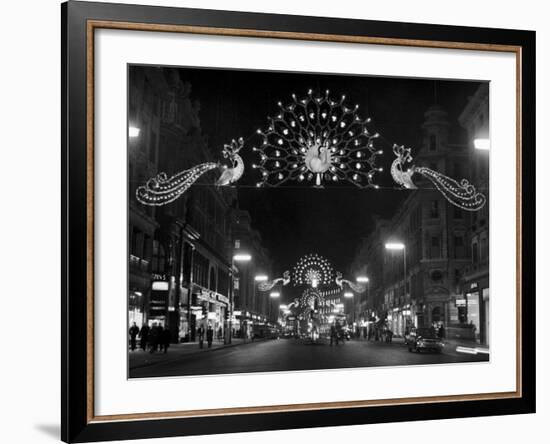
(434, 250)
(152, 146)
(159, 258)
(212, 283)
(457, 212)
(434, 209)
(135, 242)
(475, 253)
(459, 246)
(433, 142)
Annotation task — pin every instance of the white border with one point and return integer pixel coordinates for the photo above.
(114, 394)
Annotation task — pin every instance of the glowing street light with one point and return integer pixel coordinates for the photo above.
(274, 294)
(482, 144)
(348, 294)
(133, 131)
(395, 246)
(283, 307)
(362, 279)
(242, 257)
(260, 278)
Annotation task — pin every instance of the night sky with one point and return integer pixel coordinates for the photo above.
(299, 219)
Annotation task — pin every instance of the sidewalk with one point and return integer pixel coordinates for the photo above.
(140, 358)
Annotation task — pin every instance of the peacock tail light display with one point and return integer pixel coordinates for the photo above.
(317, 139)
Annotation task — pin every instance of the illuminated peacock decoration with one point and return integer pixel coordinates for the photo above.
(461, 194)
(313, 139)
(266, 286)
(313, 270)
(162, 189)
(319, 139)
(340, 281)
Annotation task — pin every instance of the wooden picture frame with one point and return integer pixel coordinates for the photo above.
(79, 22)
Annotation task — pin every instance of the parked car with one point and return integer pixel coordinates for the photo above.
(423, 339)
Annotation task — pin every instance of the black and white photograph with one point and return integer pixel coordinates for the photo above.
(301, 221)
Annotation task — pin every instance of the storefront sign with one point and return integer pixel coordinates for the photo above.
(160, 286)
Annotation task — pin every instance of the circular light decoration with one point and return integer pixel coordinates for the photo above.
(318, 139)
(309, 297)
(313, 270)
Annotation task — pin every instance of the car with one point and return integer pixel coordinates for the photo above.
(423, 339)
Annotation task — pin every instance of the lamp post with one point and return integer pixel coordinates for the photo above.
(393, 246)
(239, 257)
(260, 278)
(364, 280)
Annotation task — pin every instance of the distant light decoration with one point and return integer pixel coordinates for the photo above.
(318, 139)
(340, 281)
(461, 194)
(268, 285)
(162, 190)
(310, 298)
(311, 269)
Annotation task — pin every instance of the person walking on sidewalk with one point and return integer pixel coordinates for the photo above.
(200, 333)
(144, 336)
(165, 339)
(134, 330)
(441, 332)
(154, 338)
(209, 336)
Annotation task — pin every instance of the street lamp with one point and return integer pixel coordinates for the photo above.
(260, 278)
(242, 257)
(482, 144)
(133, 131)
(348, 294)
(274, 294)
(239, 257)
(362, 279)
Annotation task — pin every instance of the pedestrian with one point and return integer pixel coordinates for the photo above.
(209, 336)
(144, 336)
(332, 333)
(160, 338)
(220, 333)
(441, 331)
(134, 330)
(166, 338)
(200, 333)
(154, 338)
(389, 335)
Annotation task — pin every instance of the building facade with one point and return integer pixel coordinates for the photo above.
(422, 283)
(475, 282)
(179, 255)
(254, 309)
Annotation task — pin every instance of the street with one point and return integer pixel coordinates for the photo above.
(292, 354)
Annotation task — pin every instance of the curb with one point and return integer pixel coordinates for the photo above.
(195, 353)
